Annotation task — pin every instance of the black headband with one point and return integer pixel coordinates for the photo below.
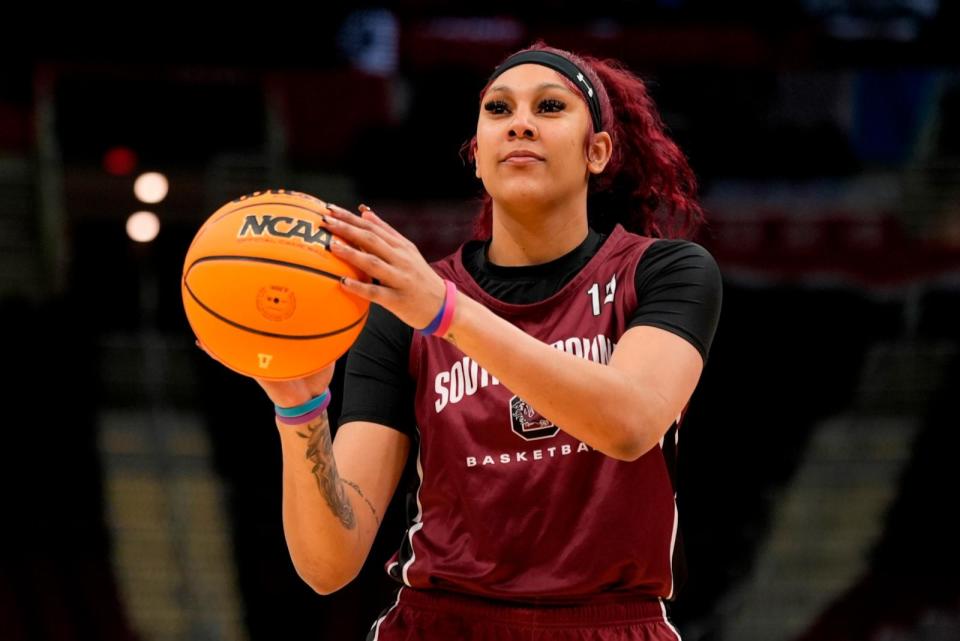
(564, 66)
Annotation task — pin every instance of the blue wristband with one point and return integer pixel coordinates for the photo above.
(306, 408)
(435, 323)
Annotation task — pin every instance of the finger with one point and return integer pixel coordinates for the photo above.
(368, 214)
(368, 219)
(368, 263)
(361, 233)
(337, 209)
(373, 293)
(361, 220)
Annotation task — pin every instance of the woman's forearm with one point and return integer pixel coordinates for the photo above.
(593, 402)
(319, 515)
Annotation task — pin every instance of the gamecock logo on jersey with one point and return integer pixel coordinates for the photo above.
(527, 422)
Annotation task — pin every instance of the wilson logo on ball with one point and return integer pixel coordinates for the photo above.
(284, 227)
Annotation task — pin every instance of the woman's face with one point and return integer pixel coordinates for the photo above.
(531, 136)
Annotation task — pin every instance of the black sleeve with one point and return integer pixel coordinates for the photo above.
(679, 289)
(377, 386)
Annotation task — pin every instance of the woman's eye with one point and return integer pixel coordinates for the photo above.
(496, 107)
(547, 105)
(552, 105)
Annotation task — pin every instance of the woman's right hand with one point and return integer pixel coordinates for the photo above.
(293, 392)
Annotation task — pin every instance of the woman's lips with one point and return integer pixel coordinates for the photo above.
(521, 160)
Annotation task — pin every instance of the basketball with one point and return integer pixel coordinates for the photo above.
(261, 287)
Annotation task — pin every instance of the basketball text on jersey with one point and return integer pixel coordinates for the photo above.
(284, 227)
(465, 377)
(526, 456)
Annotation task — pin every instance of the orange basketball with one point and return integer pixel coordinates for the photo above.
(261, 287)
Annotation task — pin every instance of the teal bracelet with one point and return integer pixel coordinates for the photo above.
(306, 408)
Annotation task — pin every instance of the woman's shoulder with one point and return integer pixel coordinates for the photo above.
(664, 252)
(679, 249)
(680, 289)
(677, 258)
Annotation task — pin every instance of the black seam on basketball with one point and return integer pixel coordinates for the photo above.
(270, 334)
(270, 261)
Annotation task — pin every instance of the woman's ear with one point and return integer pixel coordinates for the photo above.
(599, 152)
(476, 161)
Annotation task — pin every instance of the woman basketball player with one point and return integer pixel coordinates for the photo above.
(539, 374)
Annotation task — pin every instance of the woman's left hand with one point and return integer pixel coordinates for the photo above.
(408, 286)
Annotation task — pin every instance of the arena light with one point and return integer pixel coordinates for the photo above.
(143, 226)
(151, 187)
(119, 161)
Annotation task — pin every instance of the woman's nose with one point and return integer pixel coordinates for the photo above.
(522, 127)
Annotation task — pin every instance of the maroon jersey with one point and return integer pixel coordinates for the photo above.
(510, 506)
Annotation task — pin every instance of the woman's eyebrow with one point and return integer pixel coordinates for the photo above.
(540, 87)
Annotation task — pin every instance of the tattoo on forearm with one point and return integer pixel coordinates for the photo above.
(360, 492)
(320, 452)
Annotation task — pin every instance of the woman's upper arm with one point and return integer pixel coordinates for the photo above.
(663, 362)
(680, 293)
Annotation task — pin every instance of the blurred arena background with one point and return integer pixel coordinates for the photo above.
(141, 480)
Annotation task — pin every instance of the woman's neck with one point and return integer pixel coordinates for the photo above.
(535, 240)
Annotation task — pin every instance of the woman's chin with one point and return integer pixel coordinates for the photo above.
(523, 198)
